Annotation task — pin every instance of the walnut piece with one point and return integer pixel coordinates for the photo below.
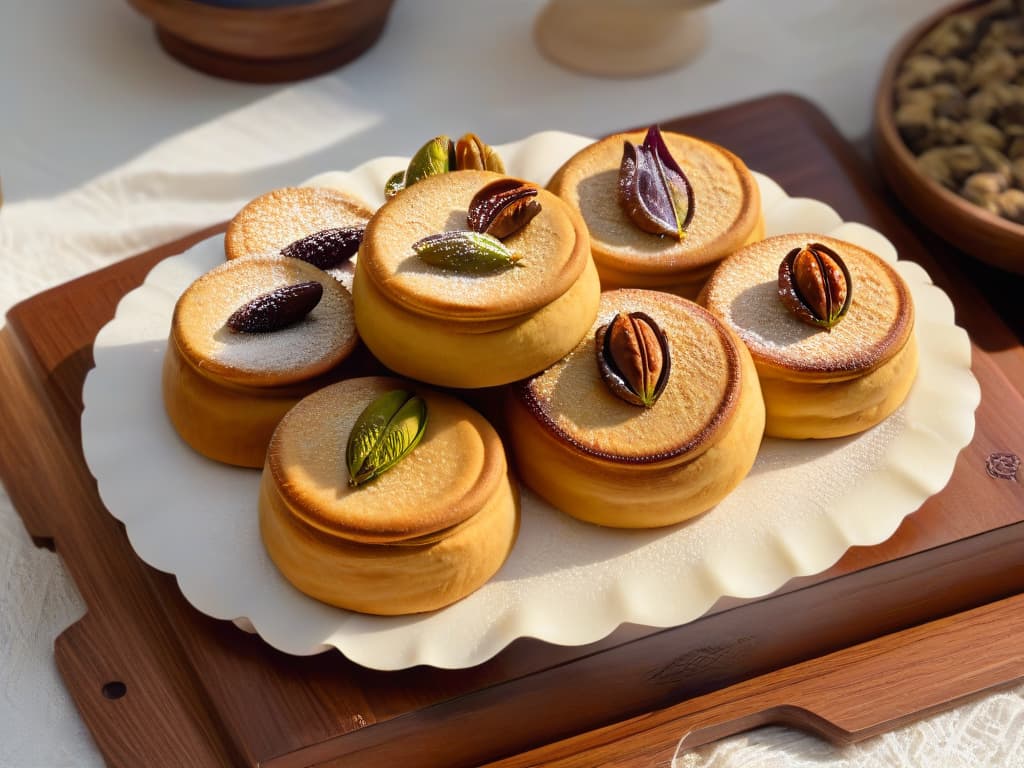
(1010, 205)
(983, 189)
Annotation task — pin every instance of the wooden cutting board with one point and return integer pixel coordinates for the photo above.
(160, 684)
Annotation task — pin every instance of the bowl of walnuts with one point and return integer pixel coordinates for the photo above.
(949, 127)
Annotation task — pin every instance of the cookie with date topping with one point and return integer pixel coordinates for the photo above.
(320, 225)
(248, 340)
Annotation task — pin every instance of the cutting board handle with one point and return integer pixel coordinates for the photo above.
(845, 696)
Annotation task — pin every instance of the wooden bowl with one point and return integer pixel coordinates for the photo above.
(985, 236)
(270, 44)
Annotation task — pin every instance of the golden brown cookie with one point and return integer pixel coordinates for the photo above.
(726, 214)
(817, 382)
(278, 218)
(465, 329)
(422, 535)
(225, 391)
(608, 461)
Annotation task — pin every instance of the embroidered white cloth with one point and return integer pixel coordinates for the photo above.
(86, 89)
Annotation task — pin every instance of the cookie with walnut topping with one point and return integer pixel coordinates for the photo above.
(654, 417)
(439, 301)
(826, 371)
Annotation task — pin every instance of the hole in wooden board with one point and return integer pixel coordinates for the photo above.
(114, 689)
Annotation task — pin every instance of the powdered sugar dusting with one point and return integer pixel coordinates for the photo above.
(744, 292)
(566, 582)
(317, 342)
(575, 396)
(282, 216)
(591, 184)
(439, 204)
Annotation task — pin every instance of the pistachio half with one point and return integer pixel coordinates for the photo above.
(634, 358)
(326, 248)
(503, 207)
(815, 285)
(384, 434)
(434, 157)
(441, 155)
(394, 184)
(653, 190)
(471, 154)
(276, 309)
(465, 251)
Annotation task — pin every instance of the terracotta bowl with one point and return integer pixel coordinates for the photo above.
(267, 44)
(985, 236)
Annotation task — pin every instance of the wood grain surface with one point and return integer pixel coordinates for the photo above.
(197, 691)
(844, 696)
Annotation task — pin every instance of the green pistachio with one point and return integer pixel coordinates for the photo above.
(384, 434)
(394, 184)
(465, 252)
(434, 157)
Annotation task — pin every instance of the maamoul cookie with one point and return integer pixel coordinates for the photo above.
(819, 381)
(624, 185)
(224, 390)
(274, 221)
(475, 310)
(584, 440)
(426, 532)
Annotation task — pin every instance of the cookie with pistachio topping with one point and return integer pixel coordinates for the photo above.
(470, 279)
(434, 524)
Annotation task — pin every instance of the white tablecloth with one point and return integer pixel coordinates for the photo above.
(107, 148)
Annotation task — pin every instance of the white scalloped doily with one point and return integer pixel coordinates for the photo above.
(802, 506)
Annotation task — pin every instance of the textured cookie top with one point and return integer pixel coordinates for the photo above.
(310, 347)
(553, 248)
(572, 401)
(727, 205)
(455, 469)
(280, 217)
(743, 292)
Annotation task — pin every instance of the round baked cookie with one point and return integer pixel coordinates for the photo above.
(817, 382)
(278, 218)
(427, 532)
(727, 214)
(225, 391)
(463, 329)
(607, 461)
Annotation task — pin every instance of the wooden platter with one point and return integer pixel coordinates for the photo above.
(160, 684)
